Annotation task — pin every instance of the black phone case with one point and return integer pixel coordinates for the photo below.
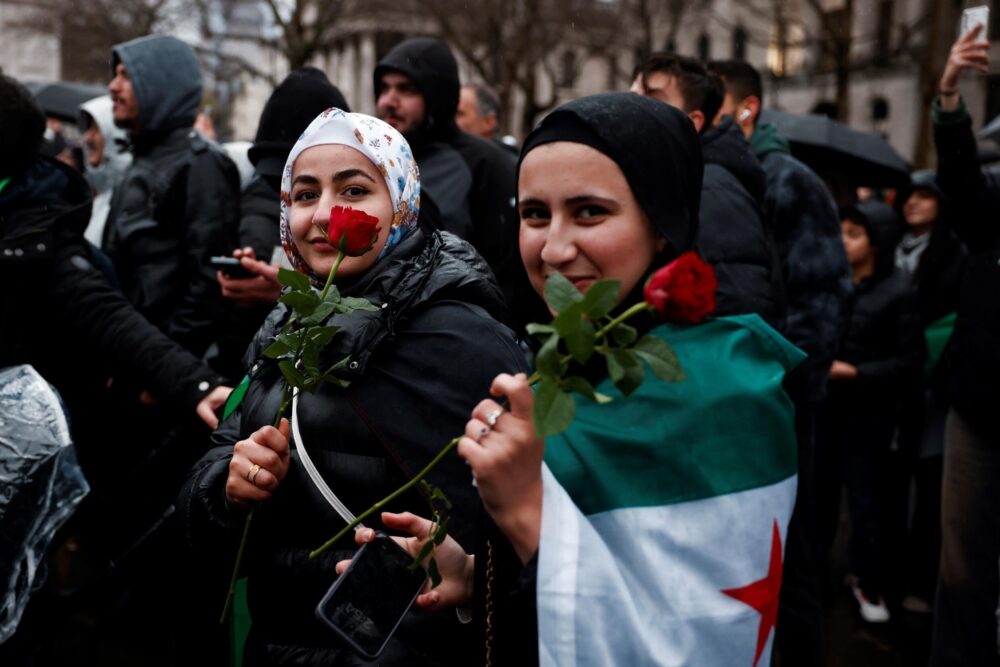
(230, 269)
(321, 616)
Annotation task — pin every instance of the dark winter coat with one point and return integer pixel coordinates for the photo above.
(63, 317)
(732, 235)
(487, 182)
(419, 366)
(178, 204)
(974, 199)
(816, 275)
(884, 338)
(259, 209)
(937, 282)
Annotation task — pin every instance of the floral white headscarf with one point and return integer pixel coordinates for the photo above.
(380, 143)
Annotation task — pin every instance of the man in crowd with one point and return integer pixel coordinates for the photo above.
(802, 216)
(965, 624)
(478, 111)
(178, 205)
(479, 114)
(469, 179)
(732, 235)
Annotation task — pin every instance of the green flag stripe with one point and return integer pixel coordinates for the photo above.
(728, 427)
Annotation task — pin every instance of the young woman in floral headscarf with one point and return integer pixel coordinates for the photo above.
(417, 364)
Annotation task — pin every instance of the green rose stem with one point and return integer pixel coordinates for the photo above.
(286, 397)
(635, 309)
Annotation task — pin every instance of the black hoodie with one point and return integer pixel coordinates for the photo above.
(474, 190)
(178, 204)
(732, 235)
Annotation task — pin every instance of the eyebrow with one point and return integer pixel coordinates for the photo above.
(351, 173)
(572, 201)
(309, 179)
(305, 178)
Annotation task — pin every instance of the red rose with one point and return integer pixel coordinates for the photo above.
(353, 232)
(683, 290)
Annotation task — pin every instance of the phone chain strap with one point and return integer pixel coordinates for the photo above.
(311, 470)
(489, 603)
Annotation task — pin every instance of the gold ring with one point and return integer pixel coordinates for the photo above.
(252, 473)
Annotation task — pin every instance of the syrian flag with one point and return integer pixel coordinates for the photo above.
(664, 514)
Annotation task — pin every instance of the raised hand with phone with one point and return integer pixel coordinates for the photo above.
(968, 52)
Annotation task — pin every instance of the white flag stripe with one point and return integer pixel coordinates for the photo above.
(643, 586)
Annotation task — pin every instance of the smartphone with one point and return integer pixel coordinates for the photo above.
(231, 267)
(972, 16)
(369, 600)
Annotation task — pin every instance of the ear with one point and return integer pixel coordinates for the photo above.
(698, 118)
(749, 110)
(490, 120)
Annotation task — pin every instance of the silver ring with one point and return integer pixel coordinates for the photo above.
(483, 433)
(493, 416)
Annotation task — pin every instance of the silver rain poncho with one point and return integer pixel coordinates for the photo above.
(41, 485)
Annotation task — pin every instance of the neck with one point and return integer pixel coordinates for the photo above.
(863, 269)
(921, 230)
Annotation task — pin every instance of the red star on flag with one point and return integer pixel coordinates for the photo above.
(762, 595)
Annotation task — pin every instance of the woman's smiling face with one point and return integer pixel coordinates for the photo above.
(579, 217)
(329, 175)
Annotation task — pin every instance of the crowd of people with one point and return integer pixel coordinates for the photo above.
(853, 348)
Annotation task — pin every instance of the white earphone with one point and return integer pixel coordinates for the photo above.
(744, 115)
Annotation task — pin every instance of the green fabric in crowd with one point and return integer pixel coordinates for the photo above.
(937, 334)
(766, 139)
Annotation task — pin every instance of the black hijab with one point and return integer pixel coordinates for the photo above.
(655, 145)
(658, 151)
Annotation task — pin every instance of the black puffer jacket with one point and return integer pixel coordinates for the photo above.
(61, 314)
(419, 366)
(974, 198)
(732, 234)
(817, 278)
(179, 201)
(487, 183)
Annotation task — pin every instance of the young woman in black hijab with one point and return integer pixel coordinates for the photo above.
(609, 188)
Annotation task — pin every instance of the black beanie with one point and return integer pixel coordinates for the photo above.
(303, 95)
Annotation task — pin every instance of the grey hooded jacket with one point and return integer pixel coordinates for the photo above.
(179, 202)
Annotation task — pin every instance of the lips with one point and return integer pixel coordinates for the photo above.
(321, 245)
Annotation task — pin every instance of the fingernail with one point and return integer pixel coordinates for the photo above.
(367, 534)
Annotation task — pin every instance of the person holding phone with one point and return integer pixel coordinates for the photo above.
(651, 531)
(429, 352)
(965, 626)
